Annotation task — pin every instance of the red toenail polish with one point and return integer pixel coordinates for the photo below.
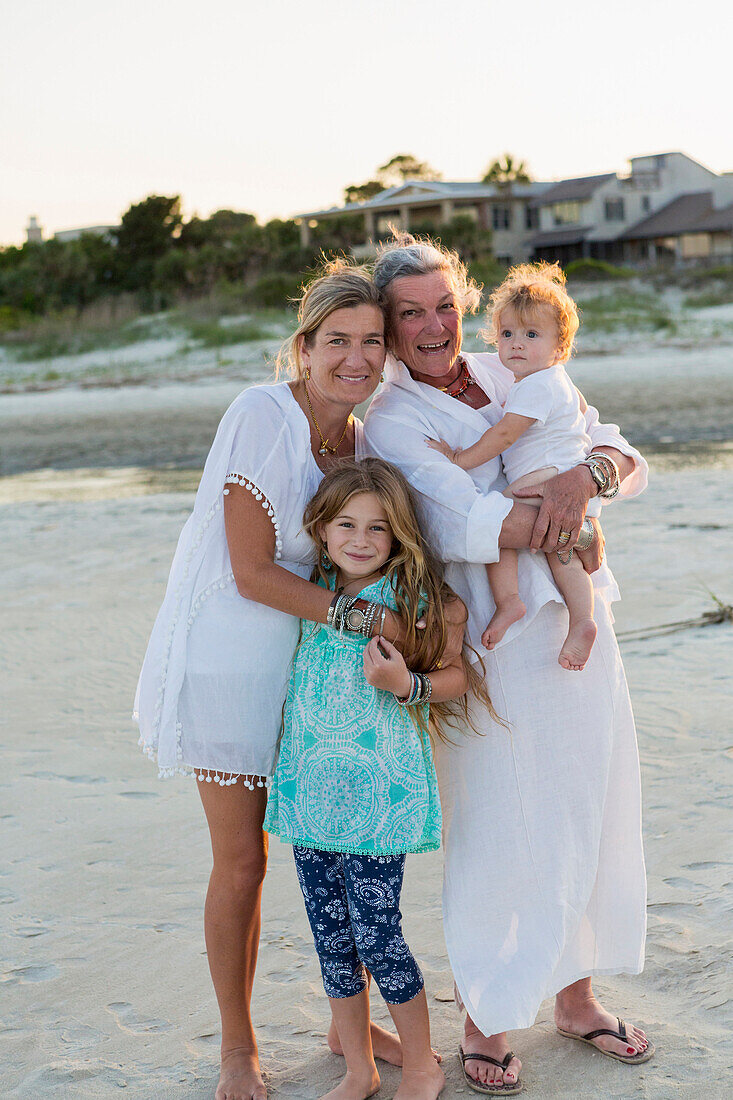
(629, 1050)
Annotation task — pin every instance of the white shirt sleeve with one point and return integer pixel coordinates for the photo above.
(262, 454)
(532, 396)
(460, 522)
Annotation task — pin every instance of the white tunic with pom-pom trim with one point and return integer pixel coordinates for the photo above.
(215, 675)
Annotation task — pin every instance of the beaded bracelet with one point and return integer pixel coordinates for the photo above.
(420, 691)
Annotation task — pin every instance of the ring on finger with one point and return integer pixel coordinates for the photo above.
(563, 537)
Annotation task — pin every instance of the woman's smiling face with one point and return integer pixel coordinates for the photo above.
(425, 322)
(345, 355)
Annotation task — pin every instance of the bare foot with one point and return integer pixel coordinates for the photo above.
(507, 612)
(578, 644)
(355, 1086)
(579, 1015)
(496, 1046)
(240, 1077)
(421, 1084)
(385, 1045)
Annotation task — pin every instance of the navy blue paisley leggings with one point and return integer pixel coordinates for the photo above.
(353, 905)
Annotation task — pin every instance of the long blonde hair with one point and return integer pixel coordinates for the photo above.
(413, 572)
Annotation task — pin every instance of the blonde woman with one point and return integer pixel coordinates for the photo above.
(214, 679)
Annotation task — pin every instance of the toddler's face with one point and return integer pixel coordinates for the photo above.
(359, 539)
(528, 346)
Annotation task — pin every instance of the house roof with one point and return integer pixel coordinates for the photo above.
(431, 191)
(717, 220)
(681, 215)
(574, 190)
(555, 237)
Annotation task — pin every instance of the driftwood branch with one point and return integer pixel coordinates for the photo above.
(723, 613)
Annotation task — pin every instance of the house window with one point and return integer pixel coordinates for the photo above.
(501, 217)
(531, 217)
(615, 210)
(646, 203)
(566, 213)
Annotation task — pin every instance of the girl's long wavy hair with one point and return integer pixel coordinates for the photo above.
(414, 573)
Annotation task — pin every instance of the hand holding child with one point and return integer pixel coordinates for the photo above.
(385, 668)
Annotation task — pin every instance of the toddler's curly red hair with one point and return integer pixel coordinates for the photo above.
(527, 289)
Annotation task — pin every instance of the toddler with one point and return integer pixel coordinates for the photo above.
(532, 323)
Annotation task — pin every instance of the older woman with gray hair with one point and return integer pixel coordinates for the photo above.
(544, 882)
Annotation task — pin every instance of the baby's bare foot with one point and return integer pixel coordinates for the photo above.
(355, 1086)
(421, 1084)
(578, 644)
(507, 612)
(240, 1077)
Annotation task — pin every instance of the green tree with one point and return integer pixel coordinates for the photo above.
(462, 234)
(145, 234)
(399, 168)
(506, 171)
(360, 192)
(405, 167)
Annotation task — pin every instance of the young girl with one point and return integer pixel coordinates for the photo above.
(532, 323)
(355, 786)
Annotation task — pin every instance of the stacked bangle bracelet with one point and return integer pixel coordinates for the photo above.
(420, 691)
(343, 614)
(604, 472)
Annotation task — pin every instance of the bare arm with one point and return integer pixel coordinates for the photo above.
(490, 445)
(385, 668)
(258, 577)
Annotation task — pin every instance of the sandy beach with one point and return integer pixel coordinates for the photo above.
(105, 984)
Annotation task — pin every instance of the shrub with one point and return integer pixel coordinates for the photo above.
(487, 272)
(275, 291)
(213, 335)
(590, 271)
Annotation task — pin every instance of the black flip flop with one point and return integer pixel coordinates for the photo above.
(630, 1059)
(479, 1086)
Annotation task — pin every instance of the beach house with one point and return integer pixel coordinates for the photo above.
(508, 210)
(667, 208)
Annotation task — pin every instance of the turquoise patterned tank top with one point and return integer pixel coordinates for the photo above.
(354, 772)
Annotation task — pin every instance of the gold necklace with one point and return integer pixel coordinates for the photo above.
(325, 448)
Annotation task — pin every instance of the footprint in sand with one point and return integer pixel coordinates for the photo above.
(128, 1019)
(29, 932)
(24, 974)
(81, 1036)
(50, 1080)
(205, 1044)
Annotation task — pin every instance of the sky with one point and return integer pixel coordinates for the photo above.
(273, 107)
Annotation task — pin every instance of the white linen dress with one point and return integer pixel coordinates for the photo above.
(544, 879)
(216, 671)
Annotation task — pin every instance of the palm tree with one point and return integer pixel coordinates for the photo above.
(506, 171)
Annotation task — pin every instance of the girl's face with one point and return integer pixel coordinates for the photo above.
(346, 355)
(526, 347)
(359, 539)
(426, 325)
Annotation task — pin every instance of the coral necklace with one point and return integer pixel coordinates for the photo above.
(325, 448)
(465, 383)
